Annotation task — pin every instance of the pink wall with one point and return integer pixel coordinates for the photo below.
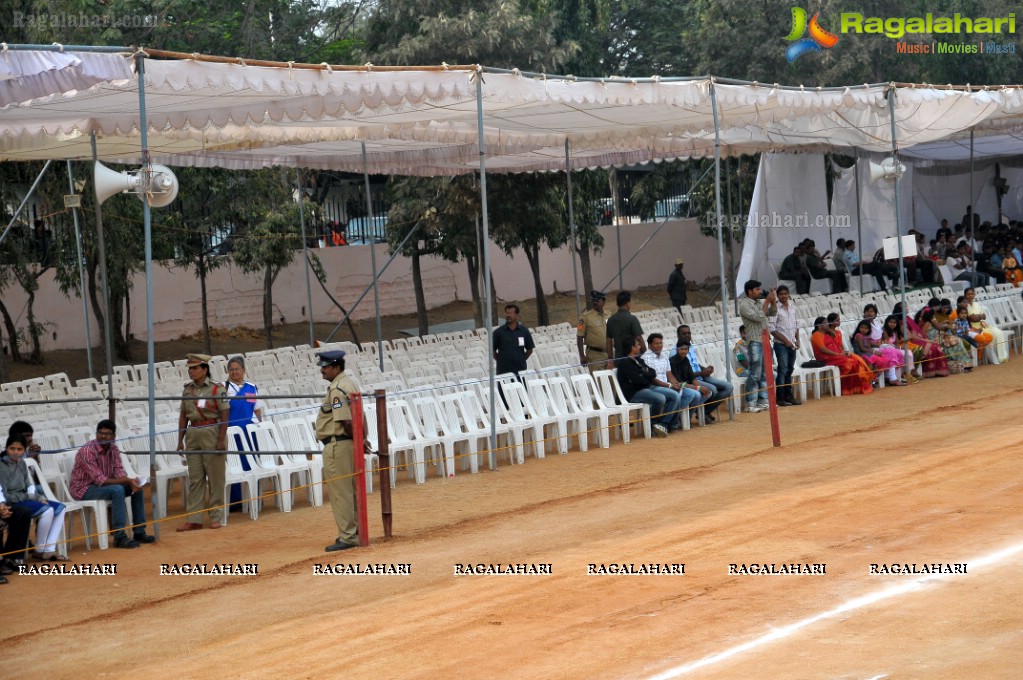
(235, 297)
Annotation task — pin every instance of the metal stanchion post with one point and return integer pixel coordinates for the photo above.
(384, 455)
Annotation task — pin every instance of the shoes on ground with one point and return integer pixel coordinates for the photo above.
(126, 543)
(763, 405)
(190, 526)
(144, 538)
(338, 544)
(752, 408)
(660, 430)
(215, 525)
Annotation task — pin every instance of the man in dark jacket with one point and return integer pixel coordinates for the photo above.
(677, 286)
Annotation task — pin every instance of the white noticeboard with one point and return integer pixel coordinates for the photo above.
(891, 247)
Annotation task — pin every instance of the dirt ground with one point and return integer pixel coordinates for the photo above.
(561, 307)
(922, 474)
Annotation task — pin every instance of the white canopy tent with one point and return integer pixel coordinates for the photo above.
(195, 111)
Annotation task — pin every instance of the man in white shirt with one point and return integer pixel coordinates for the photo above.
(784, 328)
(656, 358)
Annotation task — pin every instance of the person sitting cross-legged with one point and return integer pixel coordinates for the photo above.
(99, 476)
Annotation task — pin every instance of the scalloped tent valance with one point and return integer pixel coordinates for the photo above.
(237, 116)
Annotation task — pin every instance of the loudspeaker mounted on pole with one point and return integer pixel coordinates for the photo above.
(156, 181)
(887, 169)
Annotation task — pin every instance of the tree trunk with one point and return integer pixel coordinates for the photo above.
(121, 345)
(268, 307)
(472, 263)
(207, 343)
(12, 333)
(33, 330)
(533, 256)
(584, 263)
(417, 285)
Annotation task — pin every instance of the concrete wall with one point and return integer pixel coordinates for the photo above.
(235, 298)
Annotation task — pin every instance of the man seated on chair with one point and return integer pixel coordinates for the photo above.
(793, 268)
(99, 476)
(640, 385)
(818, 270)
(720, 390)
(19, 522)
(657, 358)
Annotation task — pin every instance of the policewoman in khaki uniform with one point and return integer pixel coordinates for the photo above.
(591, 334)
(202, 426)
(334, 430)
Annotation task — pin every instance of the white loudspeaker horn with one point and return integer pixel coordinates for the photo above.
(163, 187)
(109, 182)
(888, 169)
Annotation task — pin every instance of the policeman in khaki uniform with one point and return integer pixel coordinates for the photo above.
(202, 426)
(591, 335)
(334, 430)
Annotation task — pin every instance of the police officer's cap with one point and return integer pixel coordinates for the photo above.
(597, 295)
(330, 358)
(198, 359)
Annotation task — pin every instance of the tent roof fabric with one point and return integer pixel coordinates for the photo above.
(202, 113)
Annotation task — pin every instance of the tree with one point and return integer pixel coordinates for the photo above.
(414, 212)
(266, 240)
(529, 215)
(197, 223)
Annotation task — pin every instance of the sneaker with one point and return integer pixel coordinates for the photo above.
(763, 405)
(660, 430)
(126, 543)
(752, 408)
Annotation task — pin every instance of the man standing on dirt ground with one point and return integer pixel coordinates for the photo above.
(755, 310)
(334, 430)
(784, 328)
(202, 426)
(513, 344)
(591, 335)
(622, 329)
(677, 286)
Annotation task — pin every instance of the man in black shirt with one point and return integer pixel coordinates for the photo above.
(513, 345)
(622, 329)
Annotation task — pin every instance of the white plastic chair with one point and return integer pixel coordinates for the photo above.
(406, 437)
(544, 408)
(297, 435)
(248, 479)
(611, 393)
(449, 433)
(589, 401)
(269, 441)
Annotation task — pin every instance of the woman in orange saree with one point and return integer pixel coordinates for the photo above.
(827, 347)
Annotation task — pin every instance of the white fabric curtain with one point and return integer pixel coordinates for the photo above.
(789, 205)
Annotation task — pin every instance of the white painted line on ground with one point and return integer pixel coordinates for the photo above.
(848, 606)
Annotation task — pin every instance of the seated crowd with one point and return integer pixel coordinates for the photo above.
(937, 340)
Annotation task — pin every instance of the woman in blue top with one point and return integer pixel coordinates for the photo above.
(243, 412)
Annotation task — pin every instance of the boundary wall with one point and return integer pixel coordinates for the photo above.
(235, 298)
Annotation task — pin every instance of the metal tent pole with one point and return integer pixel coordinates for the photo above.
(618, 224)
(898, 222)
(488, 319)
(969, 216)
(81, 275)
(150, 345)
(571, 225)
(108, 343)
(721, 245)
(373, 257)
(859, 217)
(305, 254)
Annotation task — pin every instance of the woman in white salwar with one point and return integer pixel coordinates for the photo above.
(979, 322)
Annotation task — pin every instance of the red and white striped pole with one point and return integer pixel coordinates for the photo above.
(772, 398)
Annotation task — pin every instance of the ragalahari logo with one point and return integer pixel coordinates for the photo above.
(818, 40)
